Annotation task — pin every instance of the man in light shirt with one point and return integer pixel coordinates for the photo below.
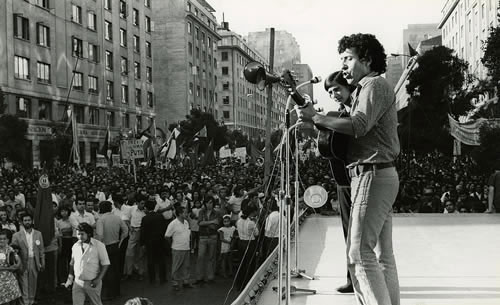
(111, 231)
(89, 263)
(80, 215)
(135, 255)
(164, 206)
(178, 235)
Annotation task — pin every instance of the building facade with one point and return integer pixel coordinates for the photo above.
(185, 40)
(304, 74)
(394, 70)
(93, 56)
(242, 105)
(286, 48)
(464, 25)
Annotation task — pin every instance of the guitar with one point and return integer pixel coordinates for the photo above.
(331, 145)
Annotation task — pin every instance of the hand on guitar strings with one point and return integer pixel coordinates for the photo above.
(306, 113)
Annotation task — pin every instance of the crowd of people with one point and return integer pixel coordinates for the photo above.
(195, 222)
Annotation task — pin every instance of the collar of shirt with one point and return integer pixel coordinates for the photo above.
(366, 78)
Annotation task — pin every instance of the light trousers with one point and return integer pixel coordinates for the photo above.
(28, 282)
(374, 275)
(81, 290)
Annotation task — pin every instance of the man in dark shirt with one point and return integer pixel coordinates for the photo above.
(153, 229)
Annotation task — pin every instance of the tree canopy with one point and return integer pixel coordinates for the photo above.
(491, 57)
(436, 89)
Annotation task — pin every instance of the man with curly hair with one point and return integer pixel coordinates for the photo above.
(372, 149)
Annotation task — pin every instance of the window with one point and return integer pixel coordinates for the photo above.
(148, 24)
(93, 53)
(124, 94)
(108, 30)
(135, 17)
(21, 67)
(225, 114)
(191, 88)
(150, 99)
(224, 56)
(107, 4)
(138, 122)
(94, 116)
(92, 84)
(78, 81)
(198, 90)
(225, 86)
(215, 62)
(77, 46)
(123, 9)
(147, 3)
(126, 120)
(44, 110)
(225, 100)
(209, 60)
(43, 72)
(23, 107)
(21, 27)
(148, 49)
(189, 27)
(188, 6)
(123, 37)
(42, 3)
(109, 90)
(203, 37)
(109, 60)
(209, 41)
(92, 21)
(137, 70)
(78, 110)
(138, 94)
(124, 66)
(76, 15)
(42, 35)
(197, 52)
(110, 118)
(204, 94)
(190, 48)
(149, 74)
(137, 45)
(197, 33)
(225, 70)
(204, 56)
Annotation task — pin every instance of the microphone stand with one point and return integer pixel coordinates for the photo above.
(284, 254)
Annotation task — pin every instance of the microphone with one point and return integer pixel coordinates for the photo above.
(315, 80)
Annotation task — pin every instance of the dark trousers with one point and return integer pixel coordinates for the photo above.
(156, 255)
(123, 252)
(111, 281)
(344, 196)
(268, 245)
(247, 264)
(47, 280)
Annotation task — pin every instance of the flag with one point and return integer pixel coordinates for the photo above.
(253, 152)
(106, 149)
(209, 158)
(43, 217)
(202, 133)
(170, 150)
(412, 51)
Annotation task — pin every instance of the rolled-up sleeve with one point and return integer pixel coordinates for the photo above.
(370, 106)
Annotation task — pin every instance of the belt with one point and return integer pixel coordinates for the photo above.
(357, 170)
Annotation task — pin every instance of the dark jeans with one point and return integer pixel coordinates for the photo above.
(344, 196)
(111, 281)
(47, 280)
(247, 264)
(123, 251)
(156, 255)
(64, 258)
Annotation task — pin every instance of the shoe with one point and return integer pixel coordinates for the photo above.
(347, 288)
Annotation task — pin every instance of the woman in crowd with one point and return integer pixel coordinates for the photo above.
(9, 263)
(209, 222)
(66, 241)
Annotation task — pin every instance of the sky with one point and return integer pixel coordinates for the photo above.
(317, 25)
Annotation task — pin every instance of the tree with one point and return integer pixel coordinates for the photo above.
(434, 87)
(487, 155)
(491, 57)
(12, 136)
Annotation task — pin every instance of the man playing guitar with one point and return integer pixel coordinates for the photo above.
(340, 91)
(372, 149)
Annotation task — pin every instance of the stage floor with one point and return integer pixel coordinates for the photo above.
(441, 259)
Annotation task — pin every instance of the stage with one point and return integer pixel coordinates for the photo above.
(441, 259)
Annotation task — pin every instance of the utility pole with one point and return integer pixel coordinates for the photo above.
(267, 156)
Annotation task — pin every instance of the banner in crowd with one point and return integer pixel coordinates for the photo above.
(115, 159)
(241, 153)
(466, 133)
(132, 149)
(224, 153)
(101, 161)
